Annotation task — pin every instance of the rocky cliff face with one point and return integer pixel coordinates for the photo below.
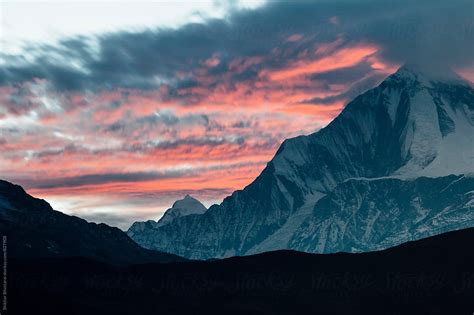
(364, 215)
(411, 125)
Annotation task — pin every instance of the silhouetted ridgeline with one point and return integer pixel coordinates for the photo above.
(34, 230)
(429, 276)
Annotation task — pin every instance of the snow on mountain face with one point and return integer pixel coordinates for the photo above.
(440, 123)
(181, 208)
(411, 125)
(364, 215)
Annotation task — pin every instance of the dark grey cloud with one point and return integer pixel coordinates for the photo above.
(163, 118)
(18, 102)
(431, 32)
(242, 124)
(103, 178)
(238, 142)
(129, 177)
(71, 148)
(188, 142)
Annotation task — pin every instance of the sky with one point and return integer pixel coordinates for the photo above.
(113, 110)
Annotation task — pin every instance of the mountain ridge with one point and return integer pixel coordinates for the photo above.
(431, 275)
(406, 127)
(35, 230)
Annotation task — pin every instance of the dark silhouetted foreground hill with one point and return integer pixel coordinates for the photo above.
(429, 276)
(34, 230)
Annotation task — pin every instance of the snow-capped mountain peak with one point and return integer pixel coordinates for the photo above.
(423, 75)
(181, 208)
(189, 205)
(413, 124)
(438, 124)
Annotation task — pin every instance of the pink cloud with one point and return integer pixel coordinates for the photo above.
(294, 38)
(345, 57)
(212, 62)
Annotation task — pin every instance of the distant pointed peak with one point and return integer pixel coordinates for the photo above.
(186, 202)
(183, 207)
(187, 198)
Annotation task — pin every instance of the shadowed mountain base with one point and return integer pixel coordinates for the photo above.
(429, 276)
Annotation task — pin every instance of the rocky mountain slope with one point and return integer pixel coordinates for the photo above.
(365, 215)
(412, 125)
(34, 230)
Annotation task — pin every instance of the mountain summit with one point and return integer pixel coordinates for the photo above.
(181, 208)
(356, 185)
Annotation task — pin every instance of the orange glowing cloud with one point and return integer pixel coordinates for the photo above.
(343, 58)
